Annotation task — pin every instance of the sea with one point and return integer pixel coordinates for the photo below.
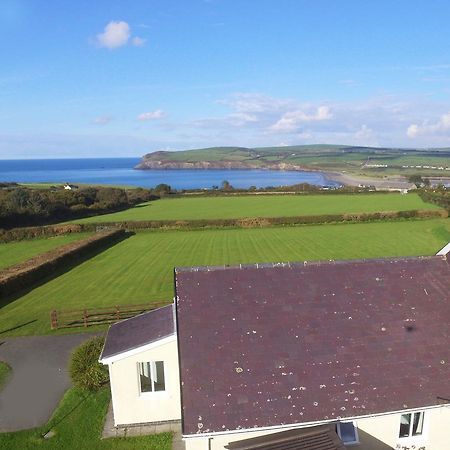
(121, 172)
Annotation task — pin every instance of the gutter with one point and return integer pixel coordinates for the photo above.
(309, 424)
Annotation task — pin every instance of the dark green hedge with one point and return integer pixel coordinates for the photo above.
(23, 275)
(258, 222)
(20, 234)
(440, 197)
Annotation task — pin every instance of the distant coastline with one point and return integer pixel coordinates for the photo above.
(382, 168)
(332, 177)
(120, 172)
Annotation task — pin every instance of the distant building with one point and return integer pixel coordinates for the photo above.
(313, 355)
(70, 187)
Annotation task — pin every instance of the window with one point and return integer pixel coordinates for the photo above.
(348, 432)
(411, 424)
(151, 376)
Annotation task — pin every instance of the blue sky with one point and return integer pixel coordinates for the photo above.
(123, 78)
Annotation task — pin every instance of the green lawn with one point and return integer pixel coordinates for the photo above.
(16, 252)
(77, 423)
(264, 206)
(5, 370)
(140, 268)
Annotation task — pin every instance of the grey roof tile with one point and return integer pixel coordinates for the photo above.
(267, 345)
(138, 331)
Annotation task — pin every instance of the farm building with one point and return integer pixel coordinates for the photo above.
(313, 355)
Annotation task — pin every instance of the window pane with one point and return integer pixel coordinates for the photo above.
(145, 377)
(348, 433)
(405, 422)
(158, 370)
(417, 424)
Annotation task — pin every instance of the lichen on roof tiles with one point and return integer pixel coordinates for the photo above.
(311, 340)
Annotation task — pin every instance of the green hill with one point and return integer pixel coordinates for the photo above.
(366, 161)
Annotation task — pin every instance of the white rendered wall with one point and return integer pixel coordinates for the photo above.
(132, 406)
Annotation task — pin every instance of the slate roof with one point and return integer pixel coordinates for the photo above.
(138, 331)
(313, 438)
(269, 345)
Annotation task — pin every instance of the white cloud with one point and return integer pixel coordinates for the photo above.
(441, 127)
(138, 42)
(365, 136)
(151, 115)
(292, 120)
(102, 120)
(240, 119)
(117, 34)
(249, 119)
(412, 131)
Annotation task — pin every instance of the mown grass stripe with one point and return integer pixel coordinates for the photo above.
(235, 207)
(13, 253)
(140, 269)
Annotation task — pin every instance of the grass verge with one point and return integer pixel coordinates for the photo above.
(77, 424)
(5, 371)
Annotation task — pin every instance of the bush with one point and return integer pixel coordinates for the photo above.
(85, 370)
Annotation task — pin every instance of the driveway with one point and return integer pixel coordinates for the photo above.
(39, 378)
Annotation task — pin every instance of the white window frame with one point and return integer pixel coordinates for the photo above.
(152, 365)
(355, 427)
(410, 435)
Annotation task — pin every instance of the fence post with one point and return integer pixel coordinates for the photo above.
(54, 319)
(85, 318)
(117, 312)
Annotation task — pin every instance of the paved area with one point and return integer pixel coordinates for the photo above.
(110, 430)
(39, 378)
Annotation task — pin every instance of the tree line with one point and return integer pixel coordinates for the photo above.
(22, 206)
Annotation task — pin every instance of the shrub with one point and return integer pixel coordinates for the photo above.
(85, 370)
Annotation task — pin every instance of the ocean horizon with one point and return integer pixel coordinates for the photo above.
(121, 172)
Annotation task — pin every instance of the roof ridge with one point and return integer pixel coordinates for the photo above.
(294, 264)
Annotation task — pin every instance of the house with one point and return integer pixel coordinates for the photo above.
(308, 355)
(69, 187)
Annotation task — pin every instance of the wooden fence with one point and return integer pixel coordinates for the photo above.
(98, 316)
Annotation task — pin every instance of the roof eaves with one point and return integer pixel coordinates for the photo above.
(312, 424)
(445, 251)
(137, 349)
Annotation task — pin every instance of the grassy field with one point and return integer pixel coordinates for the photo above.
(77, 423)
(264, 206)
(5, 370)
(16, 252)
(140, 268)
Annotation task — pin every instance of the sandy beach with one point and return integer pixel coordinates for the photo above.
(387, 182)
